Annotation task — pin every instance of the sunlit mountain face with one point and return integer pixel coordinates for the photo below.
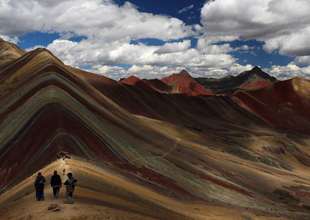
(172, 148)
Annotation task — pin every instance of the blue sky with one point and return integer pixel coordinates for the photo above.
(155, 38)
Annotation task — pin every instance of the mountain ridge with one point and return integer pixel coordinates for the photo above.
(283, 99)
(248, 80)
(9, 51)
(183, 83)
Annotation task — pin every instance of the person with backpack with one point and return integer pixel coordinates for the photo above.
(39, 185)
(56, 184)
(70, 185)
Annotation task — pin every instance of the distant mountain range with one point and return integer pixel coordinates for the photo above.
(171, 148)
(254, 90)
(183, 83)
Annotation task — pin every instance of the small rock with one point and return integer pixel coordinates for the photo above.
(54, 207)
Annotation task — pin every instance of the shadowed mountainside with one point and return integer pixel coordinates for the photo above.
(152, 154)
(135, 81)
(284, 104)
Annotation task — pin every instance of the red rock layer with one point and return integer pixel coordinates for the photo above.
(135, 81)
(255, 83)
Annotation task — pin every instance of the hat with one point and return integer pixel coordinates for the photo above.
(39, 173)
(55, 171)
(69, 174)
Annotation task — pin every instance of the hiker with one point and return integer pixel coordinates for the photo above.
(56, 184)
(39, 185)
(70, 185)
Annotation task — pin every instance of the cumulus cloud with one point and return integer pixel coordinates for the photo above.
(152, 72)
(174, 47)
(289, 71)
(108, 30)
(237, 68)
(13, 40)
(102, 19)
(93, 52)
(209, 72)
(204, 46)
(140, 71)
(282, 24)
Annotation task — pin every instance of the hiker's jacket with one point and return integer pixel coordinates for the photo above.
(70, 184)
(56, 181)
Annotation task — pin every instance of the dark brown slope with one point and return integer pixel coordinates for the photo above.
(159, 85)
(155, 85)
(248, 80)
(173, 108)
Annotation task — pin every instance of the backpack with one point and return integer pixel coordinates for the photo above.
(40, 182)
(73, 183)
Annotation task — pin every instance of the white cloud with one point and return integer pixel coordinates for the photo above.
(186, 9)
(155, 72)
(236, 69)
(94, 52)
(289, 71)
(244, 47)
(140, 71)
(108, 29)
(215, 39)
(204, 46)
(101, 19)
(211, 72)
(174, 47)
(13, 40)
(112, 72)
(296, 44)
(282, 24)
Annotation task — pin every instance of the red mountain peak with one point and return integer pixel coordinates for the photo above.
(184, 83)
(131, 80)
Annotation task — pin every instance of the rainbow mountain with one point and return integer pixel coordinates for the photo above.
(169, 149)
